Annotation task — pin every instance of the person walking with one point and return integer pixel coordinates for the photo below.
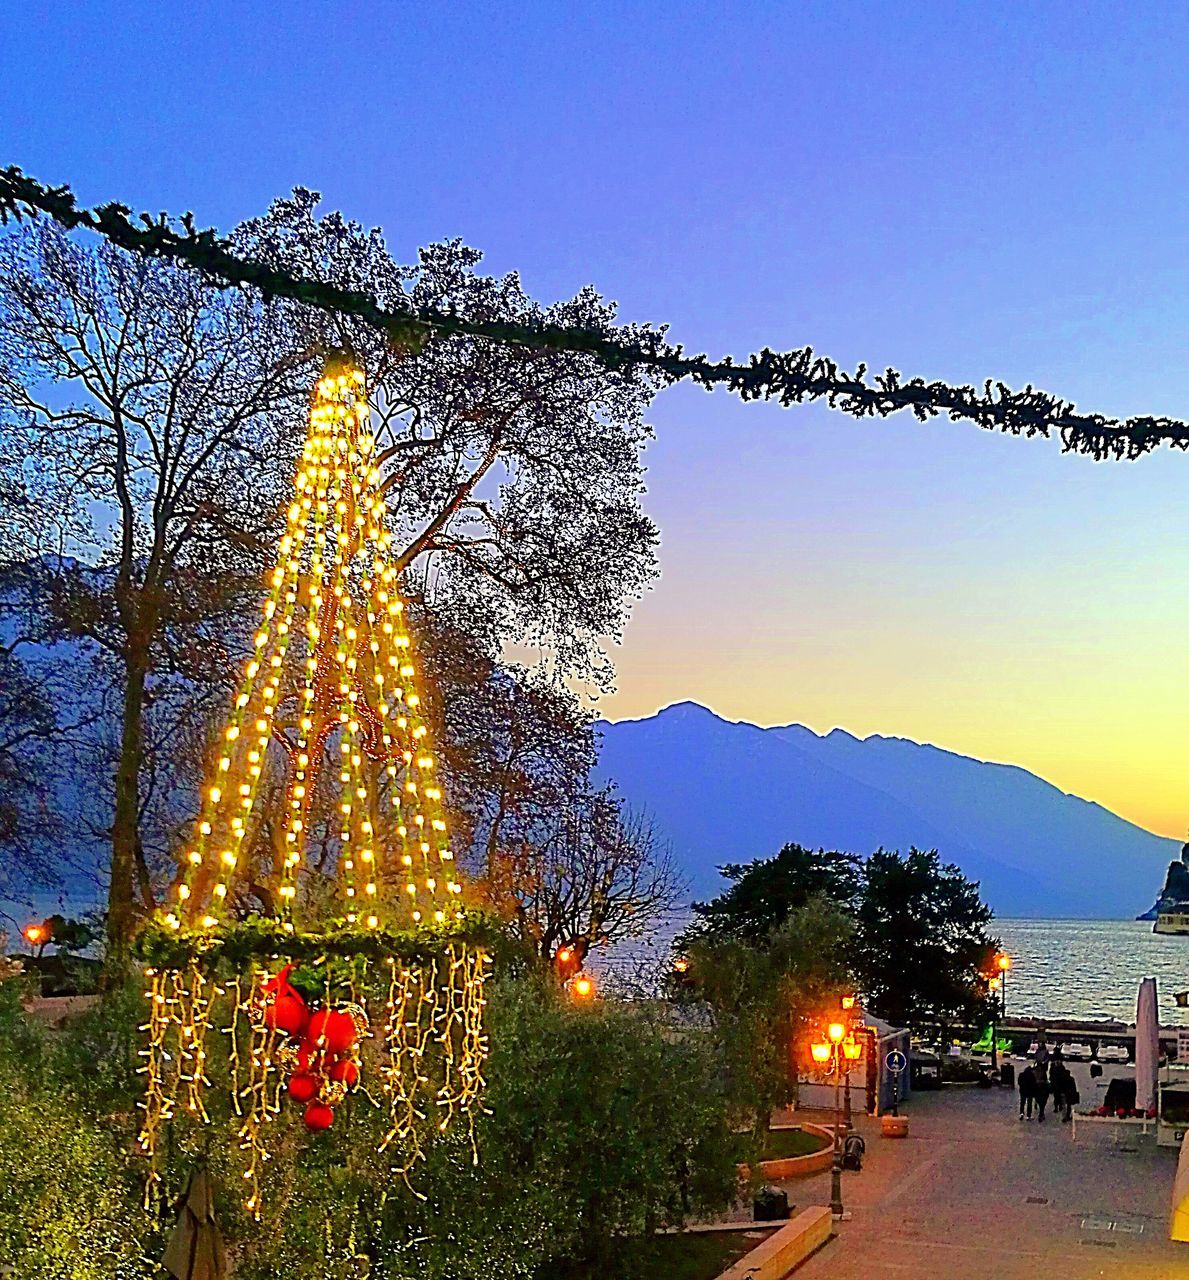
(1065, 1091)
(1040, 1089)
(1027, 1084)
(1058, 1075)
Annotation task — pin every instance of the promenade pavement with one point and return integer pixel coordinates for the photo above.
(973, 1192)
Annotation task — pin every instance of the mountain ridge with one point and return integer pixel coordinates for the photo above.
(1026, 840)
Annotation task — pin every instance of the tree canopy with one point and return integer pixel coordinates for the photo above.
(764, 894)
(921, 944)
(917, 942)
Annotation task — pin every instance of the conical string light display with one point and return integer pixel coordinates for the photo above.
(327, 740)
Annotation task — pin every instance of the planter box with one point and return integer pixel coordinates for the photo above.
(785, 1249)
(796, 1166)
(893, 1126)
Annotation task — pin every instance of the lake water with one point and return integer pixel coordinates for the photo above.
(1092, 968)
(1060, 968)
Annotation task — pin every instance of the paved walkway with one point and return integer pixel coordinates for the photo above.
(973, 1192)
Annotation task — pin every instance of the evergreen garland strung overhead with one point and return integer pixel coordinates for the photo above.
(790, 377)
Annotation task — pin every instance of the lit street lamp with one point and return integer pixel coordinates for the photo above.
(993, 986)
(840, 1047)
(997, 986)
(36, 935)
(1003, 964)
(852, 1051)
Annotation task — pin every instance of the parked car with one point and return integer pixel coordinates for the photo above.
(1112, 1053)
(1077, 1051)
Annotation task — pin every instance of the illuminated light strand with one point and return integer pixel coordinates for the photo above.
(351, 776)
(429, 833)
(255, 1103)
(428, 1017)
(193, 1021)
(270, 663)
(155, 1103)
(213, 809)
(358, 694)
(303, 765)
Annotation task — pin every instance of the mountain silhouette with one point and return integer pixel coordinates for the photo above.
(723, 791)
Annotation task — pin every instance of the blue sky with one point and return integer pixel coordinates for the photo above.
(956, 192)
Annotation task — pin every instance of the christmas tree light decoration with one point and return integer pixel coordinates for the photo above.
(327, 741)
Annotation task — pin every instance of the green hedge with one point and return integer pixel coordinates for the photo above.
(602, 1126)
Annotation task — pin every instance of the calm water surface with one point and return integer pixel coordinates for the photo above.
(1060, 968)
(1092, 968)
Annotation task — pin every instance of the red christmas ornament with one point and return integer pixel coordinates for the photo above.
(303, 1087)
(318, 1116)
(332, 1030)
(310, 1058)
(345, 1071)
(288, 1014)
(285, 1010)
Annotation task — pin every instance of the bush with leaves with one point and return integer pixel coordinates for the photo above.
(70, 1201)
(603, 1125)
(763, 997)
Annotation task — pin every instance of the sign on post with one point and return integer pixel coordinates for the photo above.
(895, 1061)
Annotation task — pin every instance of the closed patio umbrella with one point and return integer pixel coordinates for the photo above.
(1147, 1045)
(195, 1249)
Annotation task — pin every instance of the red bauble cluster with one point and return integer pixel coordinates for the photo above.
(1126, 1113)
(325, 1042)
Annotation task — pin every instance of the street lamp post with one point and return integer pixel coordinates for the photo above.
(836, 1049)
(847, 1122)
(1003, 964)
(997, 986)
(994, 985)
(852, 1051)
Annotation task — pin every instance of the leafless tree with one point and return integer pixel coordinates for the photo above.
(594, 873)
(148, 423)
(513, 476)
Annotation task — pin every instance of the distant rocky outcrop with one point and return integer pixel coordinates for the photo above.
(1175, 894)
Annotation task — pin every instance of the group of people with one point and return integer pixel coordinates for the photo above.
(1047, 1077)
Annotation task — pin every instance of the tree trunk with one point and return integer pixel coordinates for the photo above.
(121, 893)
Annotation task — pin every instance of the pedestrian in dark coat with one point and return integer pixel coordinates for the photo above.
(1027, 1084)
(1040, 1090)
(1065, 1091)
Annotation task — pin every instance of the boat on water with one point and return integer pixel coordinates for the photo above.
(1175, 921)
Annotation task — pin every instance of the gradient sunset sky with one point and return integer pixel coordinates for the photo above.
(959, 190)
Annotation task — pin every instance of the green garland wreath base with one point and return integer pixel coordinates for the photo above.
(161, 947)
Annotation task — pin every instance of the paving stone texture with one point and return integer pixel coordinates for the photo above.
(973, 1192)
